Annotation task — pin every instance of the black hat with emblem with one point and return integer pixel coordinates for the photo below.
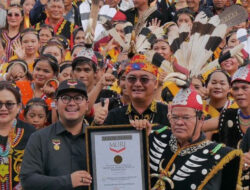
(71, 85)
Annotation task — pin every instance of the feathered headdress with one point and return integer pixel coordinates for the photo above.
(138, 38)
(244, 38)
(191, 48)
(193, 53)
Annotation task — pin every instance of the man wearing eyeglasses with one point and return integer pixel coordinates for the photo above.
(141, 84)
(55, 157)
(182, 158)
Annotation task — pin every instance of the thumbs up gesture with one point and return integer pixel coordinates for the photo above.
(101, 112)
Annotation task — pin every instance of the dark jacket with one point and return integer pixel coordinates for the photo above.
(51, 155)
(245, 143)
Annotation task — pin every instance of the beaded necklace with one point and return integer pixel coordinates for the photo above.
(247, 124)
(244, 116)
(5, 153)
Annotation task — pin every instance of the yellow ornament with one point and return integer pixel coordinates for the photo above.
(4, 171)
(56, 147)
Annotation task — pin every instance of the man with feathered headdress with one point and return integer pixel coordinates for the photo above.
(141, 83)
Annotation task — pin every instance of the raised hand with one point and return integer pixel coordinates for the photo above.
(50, 87)
(89, 33)
(107, 80)
(18, 49)
(161, 78)
(155, 23)
(15, 73)
(101, 112)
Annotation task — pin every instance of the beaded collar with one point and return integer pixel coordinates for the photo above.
(190, 149)
(242, 115)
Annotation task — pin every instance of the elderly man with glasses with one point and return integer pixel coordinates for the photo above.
(55, 157)
(186, 159)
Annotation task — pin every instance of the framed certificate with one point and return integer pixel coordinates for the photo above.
(117, 158)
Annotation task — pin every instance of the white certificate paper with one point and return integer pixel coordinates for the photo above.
(118, 161)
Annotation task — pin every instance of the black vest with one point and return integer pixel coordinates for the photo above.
(191, 167)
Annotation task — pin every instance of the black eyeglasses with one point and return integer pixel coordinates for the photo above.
(13, 15)
(143, 80)
(8, 105)
(66, 99)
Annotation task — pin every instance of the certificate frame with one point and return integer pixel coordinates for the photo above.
(92, 131)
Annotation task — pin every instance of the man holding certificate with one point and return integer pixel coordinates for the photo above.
(141, 84)
(55, 157)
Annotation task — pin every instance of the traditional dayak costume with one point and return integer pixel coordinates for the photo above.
(11, 154)
(63, 27)
(230, 131)
(9, 43)
(201, 165)
(155, 113)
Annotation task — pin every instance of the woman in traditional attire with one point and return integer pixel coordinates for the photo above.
(14, 135)
(17, 70)
(3, 58)
(218, 86)
(14, 25)
(45, 33)
(55, 49)
(44, 81)
(233, 123)
(27, 48)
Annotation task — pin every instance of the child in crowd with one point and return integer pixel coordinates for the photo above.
(36, 113)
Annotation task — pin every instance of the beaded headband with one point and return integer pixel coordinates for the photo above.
(139, 62)
(15, 62)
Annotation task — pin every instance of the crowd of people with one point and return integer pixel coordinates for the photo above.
(57, 77)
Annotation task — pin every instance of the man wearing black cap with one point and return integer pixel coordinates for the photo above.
(55, 157)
